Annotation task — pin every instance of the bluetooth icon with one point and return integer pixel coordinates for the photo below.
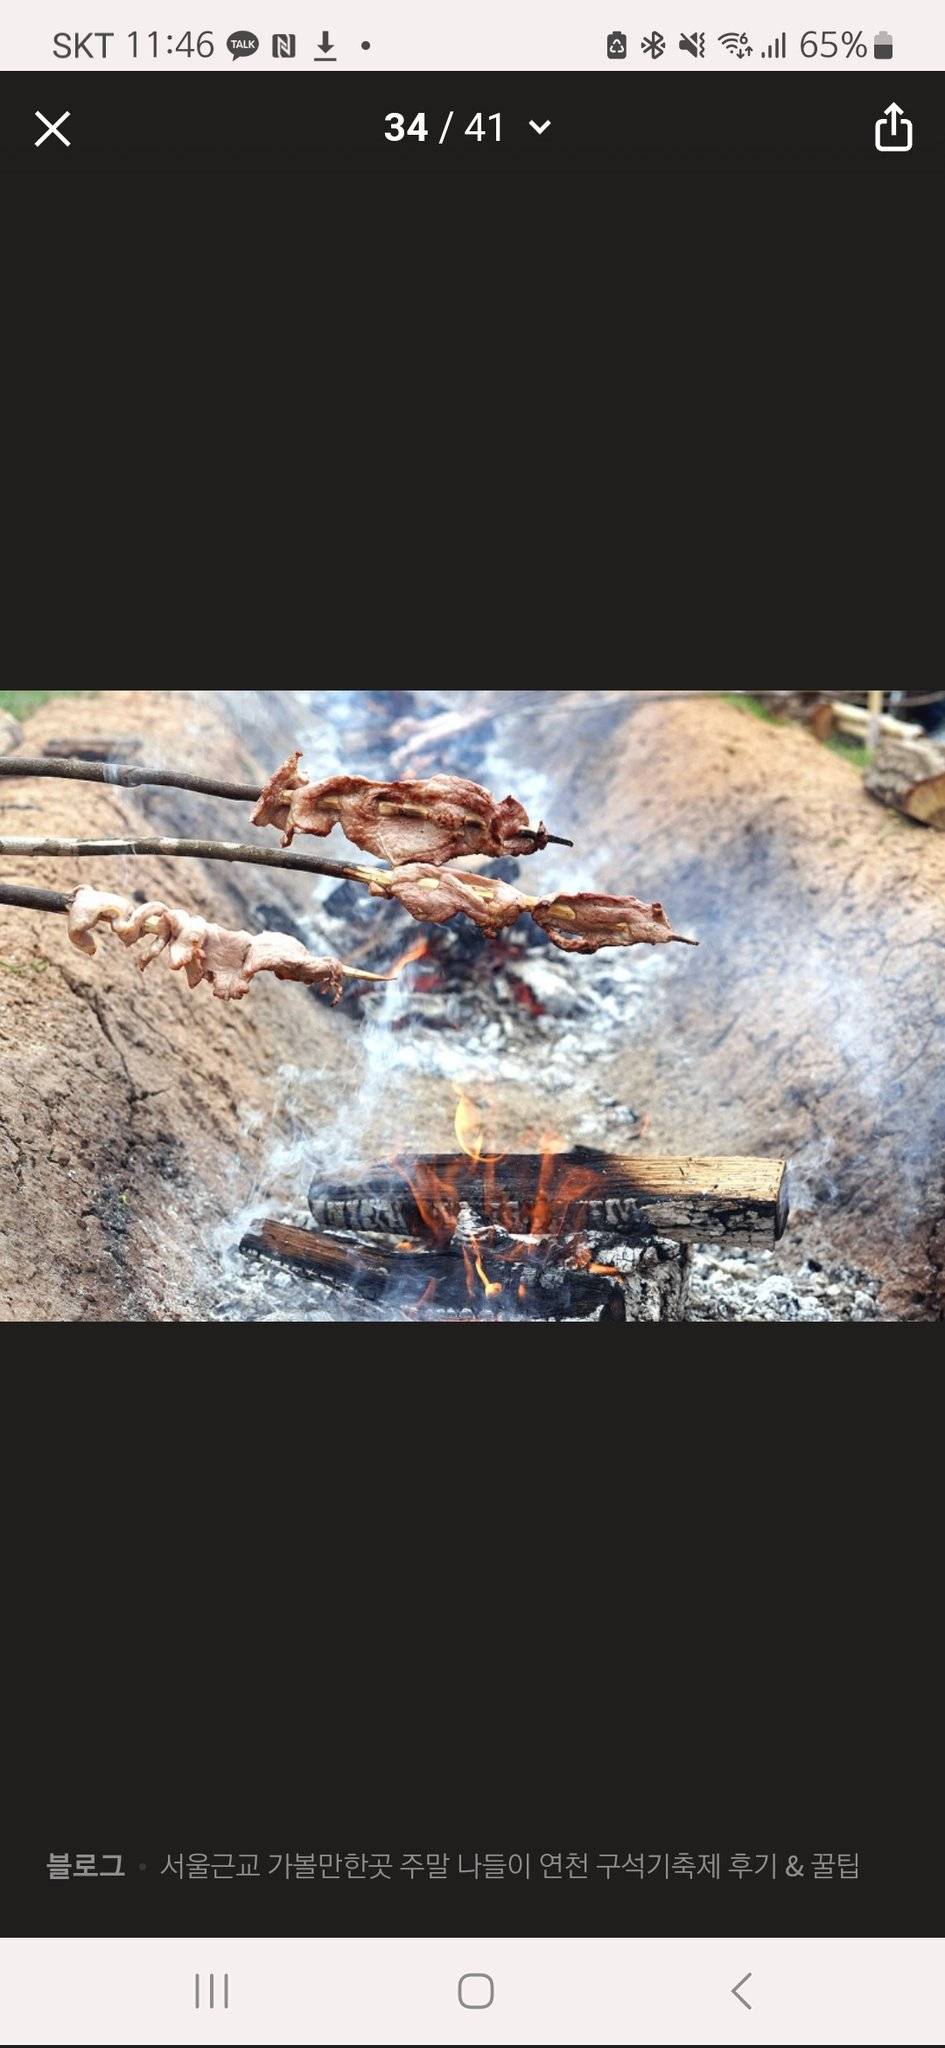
(653, 45)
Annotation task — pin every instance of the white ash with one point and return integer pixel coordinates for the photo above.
(736, 1286)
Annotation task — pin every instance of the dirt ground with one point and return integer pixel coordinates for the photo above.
(810, 1024)
(126, 1101)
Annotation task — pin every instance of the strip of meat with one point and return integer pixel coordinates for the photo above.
(583, 924)
(435, 820)
(275, 804)
(228, 960)
(436, 895)
(91, 908)
(577, 924)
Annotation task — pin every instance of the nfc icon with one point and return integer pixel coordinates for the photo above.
(283, 46)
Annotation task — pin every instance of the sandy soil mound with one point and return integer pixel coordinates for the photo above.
(812, 1021)
(126, 1102)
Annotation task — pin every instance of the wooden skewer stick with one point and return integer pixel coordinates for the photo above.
(25, 898)
(120, 775)
(192, 849)
(123, 776)
(378, 878)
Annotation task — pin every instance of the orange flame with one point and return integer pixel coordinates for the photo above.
(436, 1198)
(559, 1185)
(468, 1125)
(519, 1227)
(417, 952)
(492, 1287)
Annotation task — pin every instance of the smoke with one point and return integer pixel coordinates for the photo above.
(803, 1028)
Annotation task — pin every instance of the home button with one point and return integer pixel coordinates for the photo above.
(476, 1993)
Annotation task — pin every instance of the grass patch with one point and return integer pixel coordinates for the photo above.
(852, 751)
(22, 702)
(753, 705)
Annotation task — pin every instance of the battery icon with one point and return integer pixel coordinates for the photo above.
(883, 44)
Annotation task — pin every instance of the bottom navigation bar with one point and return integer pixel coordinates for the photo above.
(473, 1991)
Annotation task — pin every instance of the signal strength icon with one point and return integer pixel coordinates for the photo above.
(778, 48)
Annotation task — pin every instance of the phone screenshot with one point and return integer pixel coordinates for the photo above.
(557, 393)
(375, 1633)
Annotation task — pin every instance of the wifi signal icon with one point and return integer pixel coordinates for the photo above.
(737, 44)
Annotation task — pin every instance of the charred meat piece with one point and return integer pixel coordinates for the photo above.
(436, 895)
(583, 924)
(275, 803)
(578, 924)
(434, 820)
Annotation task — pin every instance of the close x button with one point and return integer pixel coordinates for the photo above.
(52, 128)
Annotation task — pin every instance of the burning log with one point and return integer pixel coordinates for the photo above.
(579, 1193)
(410, 1274)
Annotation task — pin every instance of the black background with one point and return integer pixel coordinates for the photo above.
(541, 1601)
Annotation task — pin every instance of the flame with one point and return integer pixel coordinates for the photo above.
(469, 1126)
(519, 1230)
(436, 1197)
(417, 952)
(558, 1187)
(492, 1287)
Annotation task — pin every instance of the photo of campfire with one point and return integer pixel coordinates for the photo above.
(606, 1006)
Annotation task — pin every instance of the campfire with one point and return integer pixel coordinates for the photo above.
(554, 1235)
(555, 1231)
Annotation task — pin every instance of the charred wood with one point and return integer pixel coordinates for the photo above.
(688, 1200)
(409, 1275)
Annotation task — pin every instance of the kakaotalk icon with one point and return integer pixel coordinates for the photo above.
(242, 43)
